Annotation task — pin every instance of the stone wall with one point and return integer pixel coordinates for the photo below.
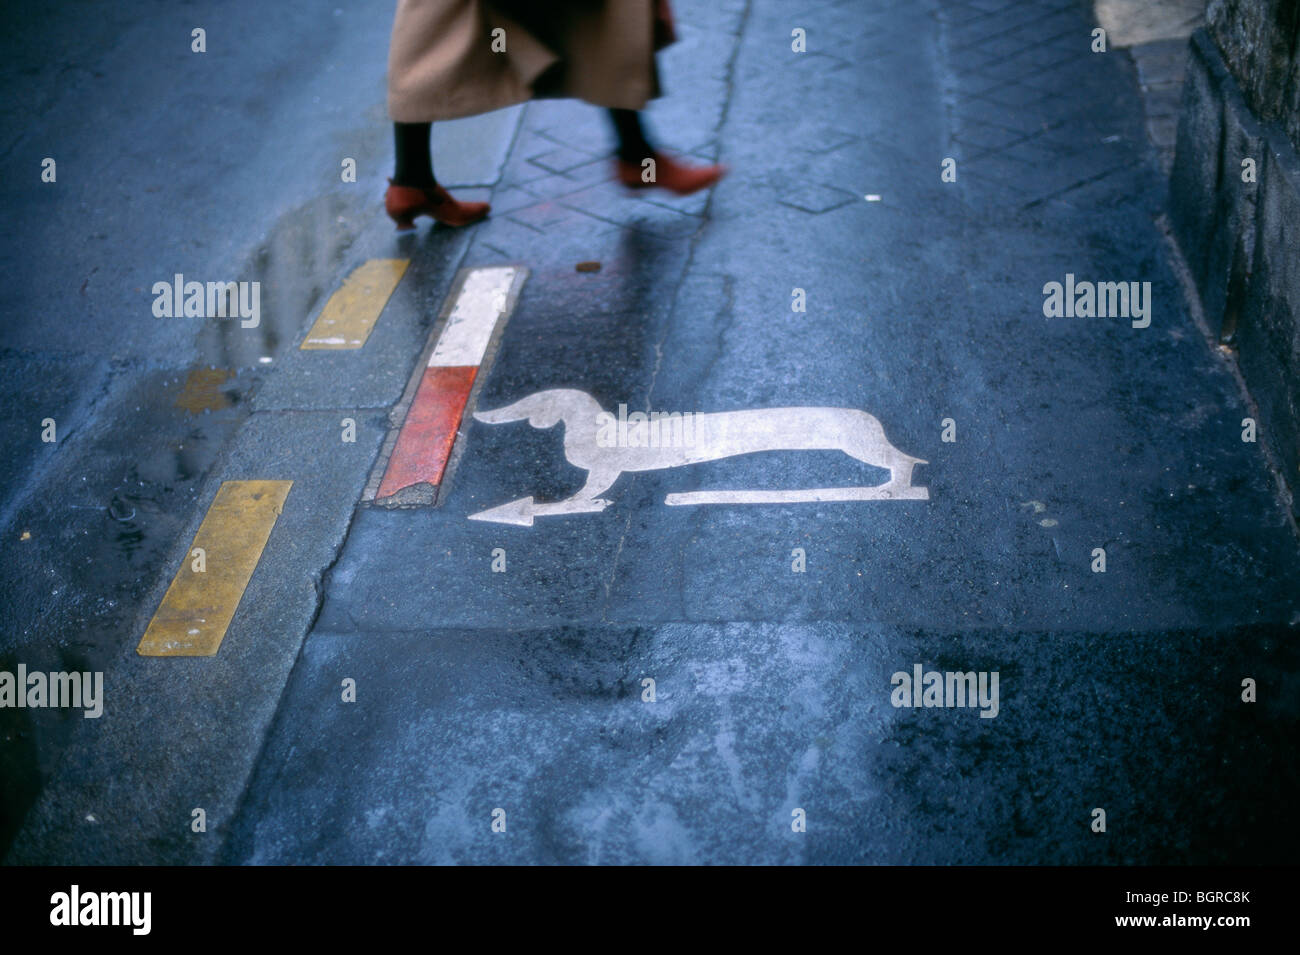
(1235, 200)
(1258, 41)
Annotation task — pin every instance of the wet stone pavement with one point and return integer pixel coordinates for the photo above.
(716, 682)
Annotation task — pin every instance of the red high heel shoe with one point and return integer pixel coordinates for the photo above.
(669, 174)
(404, 203)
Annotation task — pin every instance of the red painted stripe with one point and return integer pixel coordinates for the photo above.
(424, 443)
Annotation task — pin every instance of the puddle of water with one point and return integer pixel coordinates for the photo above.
(301, 261)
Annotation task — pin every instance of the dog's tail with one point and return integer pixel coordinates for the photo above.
(545, 408)
(518, 411)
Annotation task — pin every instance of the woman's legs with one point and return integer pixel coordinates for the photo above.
(413, 190)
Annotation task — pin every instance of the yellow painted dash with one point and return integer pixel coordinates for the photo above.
(351, 313)
(197, 609)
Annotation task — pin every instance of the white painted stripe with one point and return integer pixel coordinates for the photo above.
(809, 496)
(479, 306)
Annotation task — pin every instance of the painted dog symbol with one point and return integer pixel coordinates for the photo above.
(711, 437)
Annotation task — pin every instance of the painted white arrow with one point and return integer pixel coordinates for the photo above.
(523, 511)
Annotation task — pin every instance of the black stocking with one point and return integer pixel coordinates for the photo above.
(414, 161)
(632, 143)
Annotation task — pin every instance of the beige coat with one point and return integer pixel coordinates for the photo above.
(441, 63)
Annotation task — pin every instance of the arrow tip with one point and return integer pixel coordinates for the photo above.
(516, 512)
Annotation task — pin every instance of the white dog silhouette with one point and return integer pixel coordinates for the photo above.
(716, 435)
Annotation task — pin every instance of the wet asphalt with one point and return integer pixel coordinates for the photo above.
(521, 695)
